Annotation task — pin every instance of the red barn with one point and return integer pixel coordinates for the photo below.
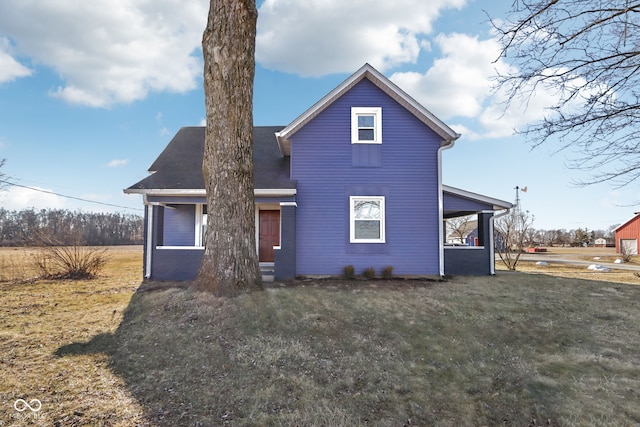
(628, 235)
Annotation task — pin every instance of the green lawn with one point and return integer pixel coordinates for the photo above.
(515, 349)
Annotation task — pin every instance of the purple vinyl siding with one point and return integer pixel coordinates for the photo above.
(328, 170)
(366, 155)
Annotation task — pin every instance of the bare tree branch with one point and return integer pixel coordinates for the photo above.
(588, 53)
(2, 180)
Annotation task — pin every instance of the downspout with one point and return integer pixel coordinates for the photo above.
(149, 242)
(441, 205)
(492, 243)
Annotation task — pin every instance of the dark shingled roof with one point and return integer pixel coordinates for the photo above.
(179, 166)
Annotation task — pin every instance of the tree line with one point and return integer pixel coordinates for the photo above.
(564, 237)
(32, 227)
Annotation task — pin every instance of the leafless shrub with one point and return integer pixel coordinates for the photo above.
(76, 262)
(625, 252)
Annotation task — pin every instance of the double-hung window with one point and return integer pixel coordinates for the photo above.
(366, 125)
(367, 219)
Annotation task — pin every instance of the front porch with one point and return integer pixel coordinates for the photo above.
(477, 258)
(175, 232)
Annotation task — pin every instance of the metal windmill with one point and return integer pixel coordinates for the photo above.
(518, 190)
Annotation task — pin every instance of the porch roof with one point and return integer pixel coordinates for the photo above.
(458, 202)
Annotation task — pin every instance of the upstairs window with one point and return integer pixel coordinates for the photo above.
(367, 219)
(366, 125)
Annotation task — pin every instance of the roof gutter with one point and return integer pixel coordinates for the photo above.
(149, 242)
(258, 192)
(165, 192)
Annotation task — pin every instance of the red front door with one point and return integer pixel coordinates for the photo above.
(269, 234)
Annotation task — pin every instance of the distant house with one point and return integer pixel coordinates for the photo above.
(354, 180)
(463, 233)
(628, 236)
(600, 243)
(473, 238)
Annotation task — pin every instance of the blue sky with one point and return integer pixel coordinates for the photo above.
(91, 92)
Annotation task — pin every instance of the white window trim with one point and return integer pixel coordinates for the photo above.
(199, 238)
(352, 228)
(179, 248)
(377, 132)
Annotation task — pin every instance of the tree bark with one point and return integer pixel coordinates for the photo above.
(230, 264)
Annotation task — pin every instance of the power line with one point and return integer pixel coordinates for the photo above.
(67, 196)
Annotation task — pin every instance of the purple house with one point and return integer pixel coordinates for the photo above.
(354, 180)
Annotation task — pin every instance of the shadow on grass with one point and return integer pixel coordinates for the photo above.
(144, 353)
(449, 354)
(100, 344)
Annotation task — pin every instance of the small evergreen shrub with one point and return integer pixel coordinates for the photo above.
(349, 272)
(387, 272)
(369, 273)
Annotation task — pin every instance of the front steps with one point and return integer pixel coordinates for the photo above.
(268, 271)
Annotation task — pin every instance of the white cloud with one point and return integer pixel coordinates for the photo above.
(318, 37)
(18, 198)
(115, 163)
(459, 85)
(498, 121)
(109, 51)
(459, 82)
(533, 104)
(10, 69)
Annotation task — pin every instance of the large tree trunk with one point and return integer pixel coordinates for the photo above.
(230, 264)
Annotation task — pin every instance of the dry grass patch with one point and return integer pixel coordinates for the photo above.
(516, 349)
(18, 264)
(580, 272)
(36, 319)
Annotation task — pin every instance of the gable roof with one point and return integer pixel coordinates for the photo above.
(635, 216)
(179, 167)
(387, 86)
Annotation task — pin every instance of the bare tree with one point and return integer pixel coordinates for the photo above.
(230, 264)
(459, 228)
(511, 232)
(3, 182)
(548, 237)
(588, 52)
